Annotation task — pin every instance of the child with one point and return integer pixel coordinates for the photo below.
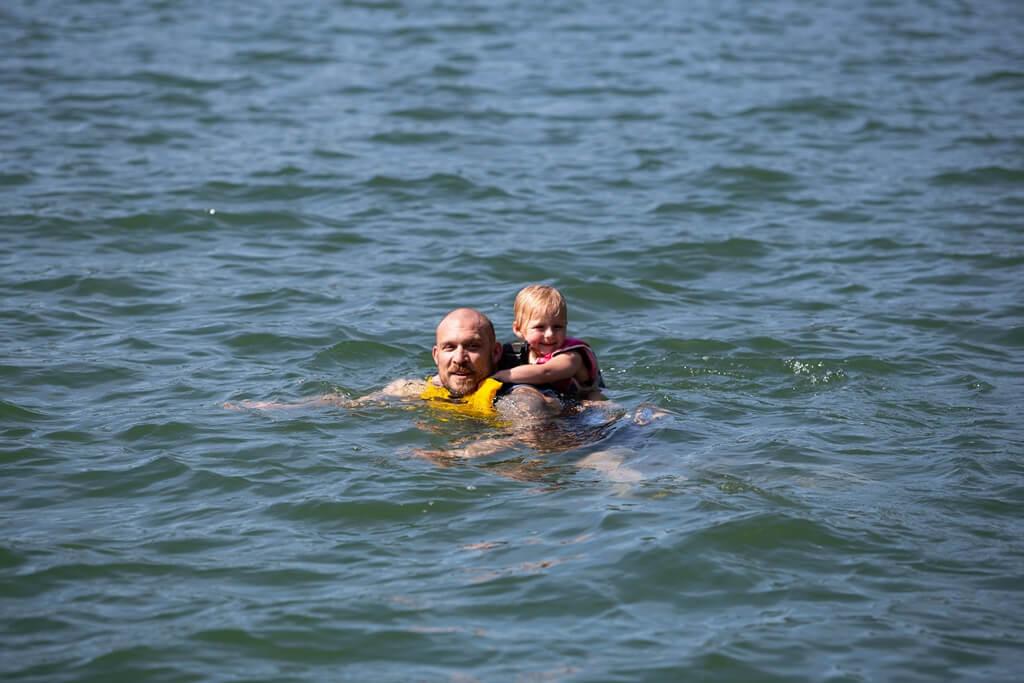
(549, 358)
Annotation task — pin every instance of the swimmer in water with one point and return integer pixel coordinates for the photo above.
(465, 352)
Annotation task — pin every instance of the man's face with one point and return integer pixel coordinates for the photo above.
(465, 353)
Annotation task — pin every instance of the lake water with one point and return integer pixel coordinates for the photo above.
(795, 226)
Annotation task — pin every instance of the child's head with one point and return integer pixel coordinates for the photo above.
(540, 317)
(536, 301)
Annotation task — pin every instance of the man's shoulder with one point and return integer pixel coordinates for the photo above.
(519, 401)
(405, 387)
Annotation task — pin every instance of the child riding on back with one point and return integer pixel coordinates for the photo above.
(564, 364)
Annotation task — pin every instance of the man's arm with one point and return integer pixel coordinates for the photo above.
(400, 388)
(524, 406)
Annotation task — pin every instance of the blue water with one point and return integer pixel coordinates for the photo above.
(795, 227)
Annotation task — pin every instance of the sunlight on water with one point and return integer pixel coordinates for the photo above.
(791, 233)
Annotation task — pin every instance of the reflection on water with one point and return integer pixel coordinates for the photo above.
(525, 451)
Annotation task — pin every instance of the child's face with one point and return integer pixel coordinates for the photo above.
(544, 332)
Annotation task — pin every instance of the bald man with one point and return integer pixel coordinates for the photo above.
(466, 352)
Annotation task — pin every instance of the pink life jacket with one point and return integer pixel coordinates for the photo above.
(569, 386)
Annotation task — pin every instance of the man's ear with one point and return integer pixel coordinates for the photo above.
(433, 352)
(496, 353)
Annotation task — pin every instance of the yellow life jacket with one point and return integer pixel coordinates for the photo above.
(478, 404)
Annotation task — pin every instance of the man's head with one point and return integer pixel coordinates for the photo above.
(466, 351)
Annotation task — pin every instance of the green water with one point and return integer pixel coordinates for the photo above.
(796, 228)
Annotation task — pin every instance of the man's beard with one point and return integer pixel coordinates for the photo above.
(459, 374)
(469, 376)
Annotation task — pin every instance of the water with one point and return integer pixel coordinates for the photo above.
(794, 226)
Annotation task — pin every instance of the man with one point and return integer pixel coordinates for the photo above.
(466, 352)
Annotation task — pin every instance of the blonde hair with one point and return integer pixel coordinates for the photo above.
(538, 298)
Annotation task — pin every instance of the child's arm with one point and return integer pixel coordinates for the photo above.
(562, 366)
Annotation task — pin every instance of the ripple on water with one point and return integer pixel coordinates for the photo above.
(803, 241)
